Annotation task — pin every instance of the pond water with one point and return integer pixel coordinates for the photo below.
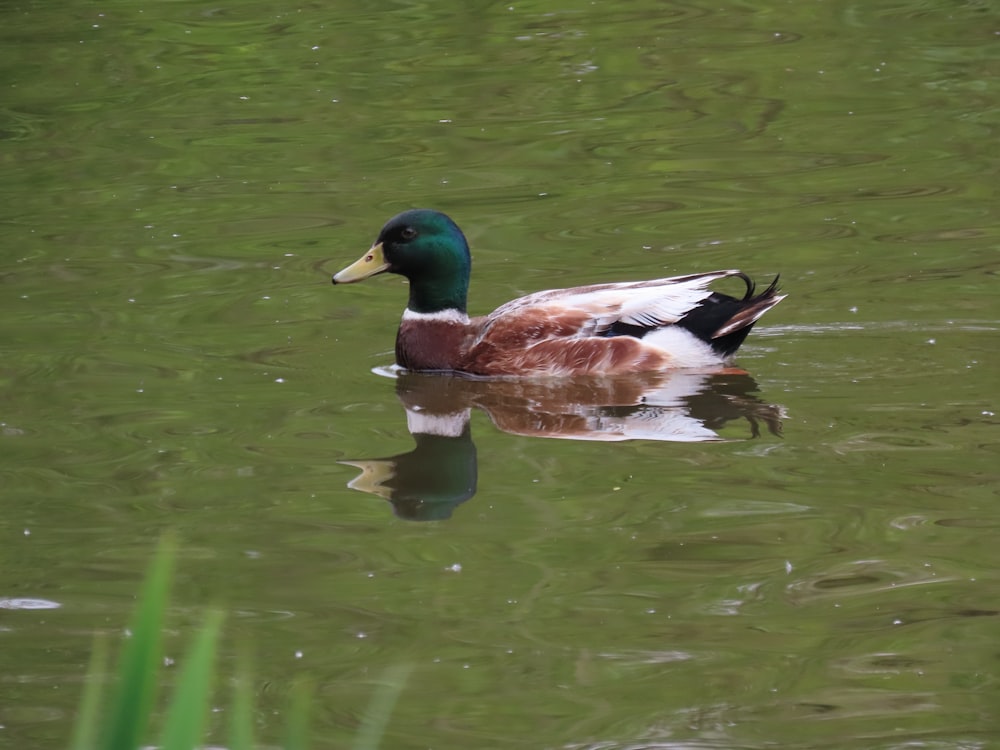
(807, 563)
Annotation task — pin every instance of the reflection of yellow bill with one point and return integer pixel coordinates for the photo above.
(374, 474)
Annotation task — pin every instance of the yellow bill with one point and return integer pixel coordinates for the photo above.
(369, 264)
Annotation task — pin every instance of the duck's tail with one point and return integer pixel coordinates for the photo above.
(724, 321)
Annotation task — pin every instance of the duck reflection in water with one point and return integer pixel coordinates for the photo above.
(428, 482)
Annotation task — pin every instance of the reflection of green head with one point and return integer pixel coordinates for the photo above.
(435, 477)
(427, 483)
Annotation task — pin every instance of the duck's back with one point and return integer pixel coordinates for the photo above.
(616, 328)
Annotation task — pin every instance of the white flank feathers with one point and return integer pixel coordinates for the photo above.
(682, 346)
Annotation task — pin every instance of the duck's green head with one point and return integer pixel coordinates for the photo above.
(427, 248)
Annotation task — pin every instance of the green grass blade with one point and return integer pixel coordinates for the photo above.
(189, 704)
(86, 729)
(297, 729)
(138, 669)
(241, 719)
(376, 718)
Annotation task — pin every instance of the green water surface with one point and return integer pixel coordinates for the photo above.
(180, 179)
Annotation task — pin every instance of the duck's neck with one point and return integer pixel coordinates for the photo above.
(434, 295)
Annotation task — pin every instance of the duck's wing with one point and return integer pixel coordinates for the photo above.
(609, 309)
(603, 328)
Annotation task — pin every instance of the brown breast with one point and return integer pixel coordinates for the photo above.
(433, 345)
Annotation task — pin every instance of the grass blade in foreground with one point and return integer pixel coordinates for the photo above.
(193, 694)
(297, 734)
(85, 732)
(139, 668)
(241, 722)
(376, 718)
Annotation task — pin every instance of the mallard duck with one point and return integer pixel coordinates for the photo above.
(602, 329)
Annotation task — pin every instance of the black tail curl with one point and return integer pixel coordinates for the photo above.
(724, 322)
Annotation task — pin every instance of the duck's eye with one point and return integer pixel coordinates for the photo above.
(408, 233)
